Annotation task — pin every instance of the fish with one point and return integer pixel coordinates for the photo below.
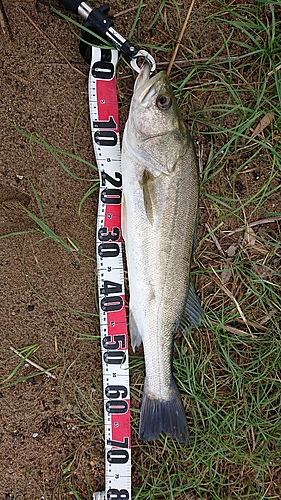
(159, 218)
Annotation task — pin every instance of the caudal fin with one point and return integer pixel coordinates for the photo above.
(163, 416)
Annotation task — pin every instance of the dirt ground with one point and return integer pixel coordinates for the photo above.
(47, 293)
(50, 438)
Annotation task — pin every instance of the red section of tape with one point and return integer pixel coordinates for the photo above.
(113, 218)
(116, 323)
(120, 426)
(107, 101)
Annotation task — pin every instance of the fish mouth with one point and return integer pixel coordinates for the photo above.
(143, 76)
(145, 86)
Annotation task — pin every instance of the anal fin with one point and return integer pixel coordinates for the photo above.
(135, 335)
(193, 313)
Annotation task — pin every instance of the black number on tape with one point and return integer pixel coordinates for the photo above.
(114, 494)
(115, 182)
(109, 124)
(119, 444)
(108, 249)
(114, 357)
(111, 196)
(116, 391)
(112, 303)
(116, 406)
(105, 235)
(114, 341)
(117, 456)
(110, 287)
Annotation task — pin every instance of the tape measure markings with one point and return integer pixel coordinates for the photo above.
(113, 327)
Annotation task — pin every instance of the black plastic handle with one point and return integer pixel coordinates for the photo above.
(71, 5)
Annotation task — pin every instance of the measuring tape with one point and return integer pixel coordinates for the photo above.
(113, 326)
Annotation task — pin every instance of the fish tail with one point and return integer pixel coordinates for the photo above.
(163, 416)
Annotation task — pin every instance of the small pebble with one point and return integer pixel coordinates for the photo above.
(35, 434)
(30, 308)
(231, 251)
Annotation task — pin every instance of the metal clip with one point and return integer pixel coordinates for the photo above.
(147, 57)
(98, 22)
(129, 51)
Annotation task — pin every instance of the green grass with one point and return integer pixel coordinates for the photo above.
(228, 371)
(25, 354)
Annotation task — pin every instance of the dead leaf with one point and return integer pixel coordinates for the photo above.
(226, 273)
(250, 237)
(262, 271)
(264, 122)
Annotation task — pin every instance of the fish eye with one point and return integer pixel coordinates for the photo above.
(163, 101)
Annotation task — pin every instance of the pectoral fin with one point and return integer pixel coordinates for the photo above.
(193, 313)
(147, 189)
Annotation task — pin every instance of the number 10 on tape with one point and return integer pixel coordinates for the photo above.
(113, 328)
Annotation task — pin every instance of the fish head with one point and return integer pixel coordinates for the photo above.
(156, 129)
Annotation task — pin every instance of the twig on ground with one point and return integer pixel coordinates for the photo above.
(174, 55)
(182, 63)
(51, 43)
(4, 22)
(232, 329)
(32, 363)
(253, 224)
(231, 296)
(181, 45)
(19, 78)
(131, 9)
(214, 238)
(276, 69)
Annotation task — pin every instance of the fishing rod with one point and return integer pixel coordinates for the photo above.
(103, 108)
